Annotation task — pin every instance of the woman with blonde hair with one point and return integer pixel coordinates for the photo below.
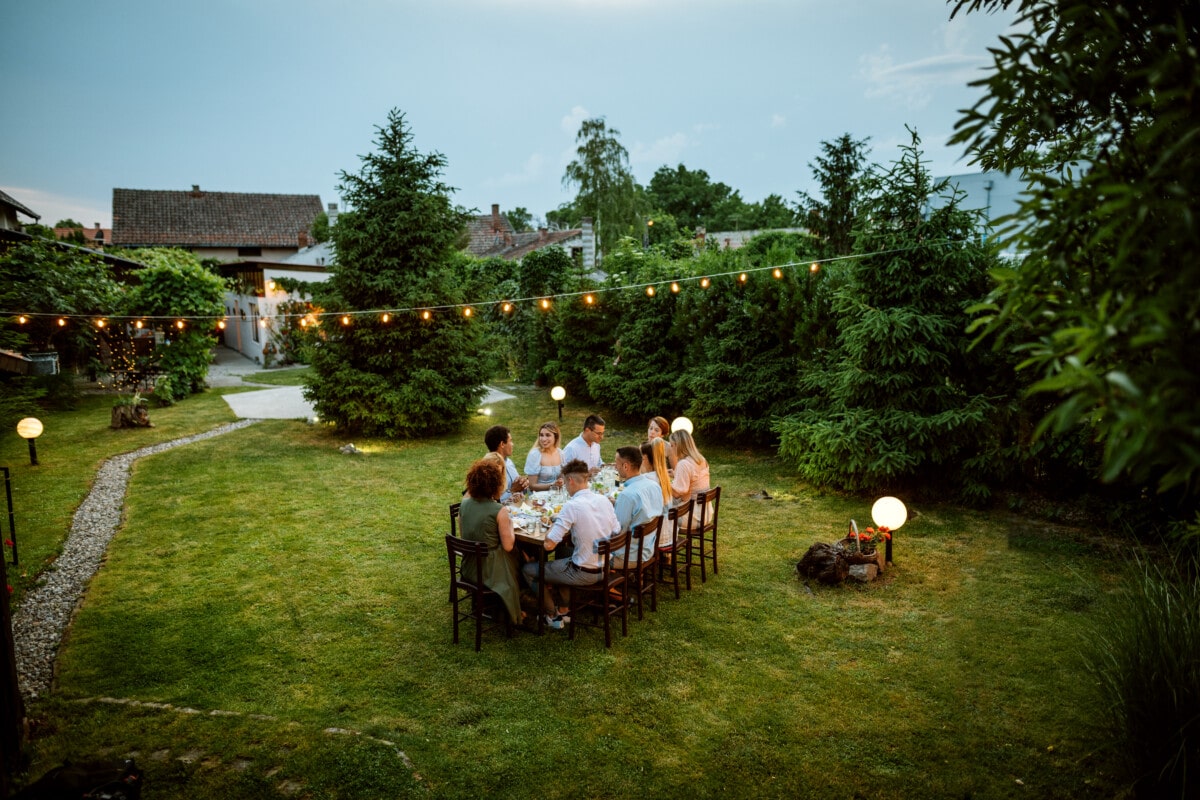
(543, 466)
(691, 468)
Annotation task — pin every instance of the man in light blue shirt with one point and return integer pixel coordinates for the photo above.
(586, 446)
(640, 502)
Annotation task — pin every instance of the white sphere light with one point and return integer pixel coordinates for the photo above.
(29, 428)
(558, 393)
(681, 424)
(889, 513)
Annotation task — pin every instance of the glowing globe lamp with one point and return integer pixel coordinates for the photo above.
(681, 424)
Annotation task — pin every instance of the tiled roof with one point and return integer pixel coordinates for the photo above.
(526, 243)
(488, 233)
(7, 199)
(89, 234)
(149, 217)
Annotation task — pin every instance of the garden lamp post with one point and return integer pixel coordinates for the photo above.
(29, 429)
(681, 424)
(559, 394)
(890, 513)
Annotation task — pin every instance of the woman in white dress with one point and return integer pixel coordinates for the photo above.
(544, 462)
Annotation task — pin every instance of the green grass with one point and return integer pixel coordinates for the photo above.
(290, 376)
(265, 573)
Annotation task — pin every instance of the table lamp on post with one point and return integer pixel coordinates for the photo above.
(29, 429)
(890, 513)
(559, 394)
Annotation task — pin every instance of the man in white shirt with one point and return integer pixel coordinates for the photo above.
(586, 446)
(500, 441)
(640, 502)
(589, 518)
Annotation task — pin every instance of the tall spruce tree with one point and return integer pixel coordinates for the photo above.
(903, 404)
(841, 172)
(408, 376)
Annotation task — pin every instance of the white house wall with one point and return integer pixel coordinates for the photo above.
(240, 332)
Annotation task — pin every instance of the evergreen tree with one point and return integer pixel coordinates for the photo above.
(840, 172)
(904, 404)
(407, 376)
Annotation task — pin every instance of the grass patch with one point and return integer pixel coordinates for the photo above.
(264, 573)
(288, 376)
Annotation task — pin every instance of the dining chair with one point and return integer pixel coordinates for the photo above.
(641, 574)
(455, 512)
(605, 597)
(679, 518)
(703, 536)
(472, 588)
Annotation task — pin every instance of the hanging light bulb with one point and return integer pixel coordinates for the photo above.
(100, 323)
(467, 312)
(814, 267)
(179, 324)
(742, 278)
(674, 287)
(62, 322)
(545, 303)
(138, 324)
(262, 323)
(590, 299)
(221, 325)
(649, 291)
(506, 307)
(346, 319)
(777, 272)
(704, 283)
(303, 322)
(425, 314)
(21, 320)
(385, 318)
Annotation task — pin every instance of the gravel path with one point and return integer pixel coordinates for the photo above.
(42, 618)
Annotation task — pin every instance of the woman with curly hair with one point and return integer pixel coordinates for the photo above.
(484, 519)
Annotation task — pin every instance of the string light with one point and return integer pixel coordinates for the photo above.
(777, 272)
(545, 303)
(815, 266)
(21, 320)
(704, 283)
(100, 324)
(742, 278)
(467, 312)
(262, 323)
(62, 322)
(426, 314)
(304, 322)
(506, 307)
(179, 324)
(590, 299)
(674, 287)
(346, 319)
(386, 317)
(138, 324)
(649, 291)
(221, 325)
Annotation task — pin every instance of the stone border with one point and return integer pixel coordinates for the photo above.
(39, 623)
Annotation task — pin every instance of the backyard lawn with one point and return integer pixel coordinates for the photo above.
(272, 619)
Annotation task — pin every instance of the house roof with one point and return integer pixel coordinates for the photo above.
(8, 200)
(525, 243)
(94, 234)
(493, 235)
(157, 218)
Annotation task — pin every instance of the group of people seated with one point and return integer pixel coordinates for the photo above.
(666, 469)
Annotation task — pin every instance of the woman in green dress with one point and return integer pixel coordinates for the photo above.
(484, 519)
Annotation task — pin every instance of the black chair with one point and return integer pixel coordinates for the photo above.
(679, 518)
(472, 588)
(604, 598)
(455, 513)
(642, 574)
(704, 534)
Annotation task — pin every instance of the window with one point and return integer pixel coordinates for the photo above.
(249, 251)
(254, 321)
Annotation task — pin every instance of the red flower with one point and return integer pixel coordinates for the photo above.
(10, 588)
(8, 542)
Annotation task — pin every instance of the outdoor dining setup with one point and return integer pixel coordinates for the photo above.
(577, 541)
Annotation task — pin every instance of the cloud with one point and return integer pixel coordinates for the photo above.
(666, 150)
(778, 120)
(531, 172)
(571, 122)
(913, 83)
(53, 207)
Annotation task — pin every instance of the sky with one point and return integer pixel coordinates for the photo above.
(282, 96)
